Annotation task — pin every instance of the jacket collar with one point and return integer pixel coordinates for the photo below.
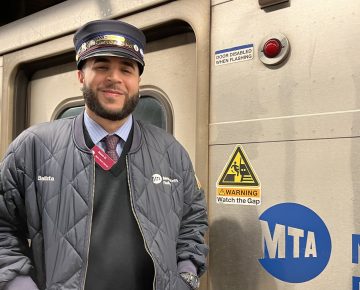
(79, 138)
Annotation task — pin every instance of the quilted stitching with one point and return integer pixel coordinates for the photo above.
(161, 233)
(66, 233)
(53, 157)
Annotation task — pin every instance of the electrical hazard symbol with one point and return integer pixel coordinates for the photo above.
(238, 183)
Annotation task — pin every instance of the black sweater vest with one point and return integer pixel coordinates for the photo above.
(117, 257)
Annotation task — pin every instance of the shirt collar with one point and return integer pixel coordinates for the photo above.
(97, 133)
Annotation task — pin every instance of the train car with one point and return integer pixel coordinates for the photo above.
(265, 97)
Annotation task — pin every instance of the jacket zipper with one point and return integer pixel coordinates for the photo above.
(91, 216)
(137, 220)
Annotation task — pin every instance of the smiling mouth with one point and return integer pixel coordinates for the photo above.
(113, 92)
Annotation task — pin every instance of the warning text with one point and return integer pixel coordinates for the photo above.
(234, 54)
(238, 192)
(238, 200)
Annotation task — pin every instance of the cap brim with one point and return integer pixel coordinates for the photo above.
(116, 53)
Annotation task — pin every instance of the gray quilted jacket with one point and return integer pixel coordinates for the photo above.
(47, 180)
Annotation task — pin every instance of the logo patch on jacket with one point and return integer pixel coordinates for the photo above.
(157, 179)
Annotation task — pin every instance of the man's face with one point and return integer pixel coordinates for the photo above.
(110, 86)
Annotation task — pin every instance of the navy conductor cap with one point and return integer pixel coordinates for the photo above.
(109, 38)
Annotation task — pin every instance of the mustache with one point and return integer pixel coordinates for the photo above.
(113, 87)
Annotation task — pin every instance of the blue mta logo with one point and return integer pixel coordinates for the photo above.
(355, 259)
(296, 242)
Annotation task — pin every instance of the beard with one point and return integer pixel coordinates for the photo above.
(92, 102)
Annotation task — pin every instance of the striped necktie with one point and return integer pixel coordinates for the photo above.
(111, 142)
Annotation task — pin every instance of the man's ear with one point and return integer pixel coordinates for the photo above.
(80, 75)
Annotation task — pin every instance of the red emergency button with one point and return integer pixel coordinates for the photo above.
(272, 48)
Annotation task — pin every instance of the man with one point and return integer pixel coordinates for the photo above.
(131, 218)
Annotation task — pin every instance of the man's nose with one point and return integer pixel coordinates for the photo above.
(115, 75)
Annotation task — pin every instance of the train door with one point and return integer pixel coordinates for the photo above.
(42, 79)
(42, 85)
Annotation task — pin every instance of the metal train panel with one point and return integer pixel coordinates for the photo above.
(289, 218)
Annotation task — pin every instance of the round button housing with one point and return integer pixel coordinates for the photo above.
(274, 49)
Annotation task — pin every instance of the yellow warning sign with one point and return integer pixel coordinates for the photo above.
(238, 171)
(238, 183)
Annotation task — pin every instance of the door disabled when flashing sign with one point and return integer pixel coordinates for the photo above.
(234, 54)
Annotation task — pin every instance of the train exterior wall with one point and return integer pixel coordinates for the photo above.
(298, 125)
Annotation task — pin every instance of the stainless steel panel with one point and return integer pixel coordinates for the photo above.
(298, 123)
(296, 127)
(319, 174)
(321, 74)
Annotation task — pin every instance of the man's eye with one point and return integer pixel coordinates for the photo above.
(127, 70)
(101, 67)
